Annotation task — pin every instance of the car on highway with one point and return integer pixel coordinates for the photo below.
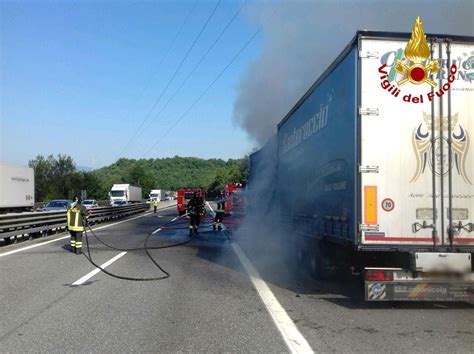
(56, 204)
(90, 203)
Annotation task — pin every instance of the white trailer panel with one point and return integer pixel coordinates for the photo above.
(17, 186)
(134, 194)
(409, 165)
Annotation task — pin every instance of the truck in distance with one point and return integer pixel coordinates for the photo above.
(17, 188)
(123, 194)
(156, 194)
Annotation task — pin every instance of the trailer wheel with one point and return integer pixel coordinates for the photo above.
(320, 264)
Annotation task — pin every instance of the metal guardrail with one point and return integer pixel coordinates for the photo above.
(37, 224)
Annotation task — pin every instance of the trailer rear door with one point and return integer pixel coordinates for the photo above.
(417, 163)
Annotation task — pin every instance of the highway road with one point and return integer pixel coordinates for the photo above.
(232, 294)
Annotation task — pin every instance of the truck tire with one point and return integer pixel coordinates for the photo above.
(320, 263)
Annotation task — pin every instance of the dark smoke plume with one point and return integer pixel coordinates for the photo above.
(301, 38)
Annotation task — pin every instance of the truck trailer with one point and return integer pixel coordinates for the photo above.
(122, 194)
(373, 167)
(17, 188)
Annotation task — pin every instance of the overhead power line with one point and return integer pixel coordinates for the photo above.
(199, 62)
(204, 92)
(172, 78)
(168, 50)
(152, 76)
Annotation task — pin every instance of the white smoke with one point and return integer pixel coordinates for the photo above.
(302, 38)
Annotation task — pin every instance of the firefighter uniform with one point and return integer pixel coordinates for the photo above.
(77, 215)
(195, 209)
(220, 211)
(155, 204)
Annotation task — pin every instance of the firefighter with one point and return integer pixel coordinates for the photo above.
(220, 211)
(77, 216)
(155, 204)
(195, 209)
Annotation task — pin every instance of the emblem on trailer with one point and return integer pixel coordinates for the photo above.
(421, 141)
(417, 52)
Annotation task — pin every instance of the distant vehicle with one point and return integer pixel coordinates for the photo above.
(168, 197)
(90, 203)
(56, 205)
(17, 188)
(148, 201)
(120, 203)
(156, 194)
(184, 195)
(232, 201)
(125, 193)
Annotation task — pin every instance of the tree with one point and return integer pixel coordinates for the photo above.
(55, 178)
(139, 176)
(43, 169)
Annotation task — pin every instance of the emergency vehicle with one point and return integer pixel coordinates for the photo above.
(185, 194)
(234, 197)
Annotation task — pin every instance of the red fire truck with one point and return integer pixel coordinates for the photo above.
(185, 194)
(234, 204)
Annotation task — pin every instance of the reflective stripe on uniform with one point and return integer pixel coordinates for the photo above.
(75, 222)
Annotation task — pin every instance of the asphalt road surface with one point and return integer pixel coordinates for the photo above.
(210, 303)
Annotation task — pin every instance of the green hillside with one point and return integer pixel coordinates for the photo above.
(59, 178)
(171, 173)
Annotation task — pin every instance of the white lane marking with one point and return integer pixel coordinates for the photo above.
(161, 228)
(290, 333)
(288, 330)
(97, 270)
(63, 237)
(212, 210)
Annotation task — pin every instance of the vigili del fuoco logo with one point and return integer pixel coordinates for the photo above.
(416, 70)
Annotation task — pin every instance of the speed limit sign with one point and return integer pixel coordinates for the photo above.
(388, 204)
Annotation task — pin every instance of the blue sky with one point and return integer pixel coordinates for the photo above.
(79, 78)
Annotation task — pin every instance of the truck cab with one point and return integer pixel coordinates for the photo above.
(118, 194)
(156, 194)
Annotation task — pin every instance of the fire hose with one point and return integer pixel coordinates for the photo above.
(145, 247)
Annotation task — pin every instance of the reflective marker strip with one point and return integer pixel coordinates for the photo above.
(370, 202)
